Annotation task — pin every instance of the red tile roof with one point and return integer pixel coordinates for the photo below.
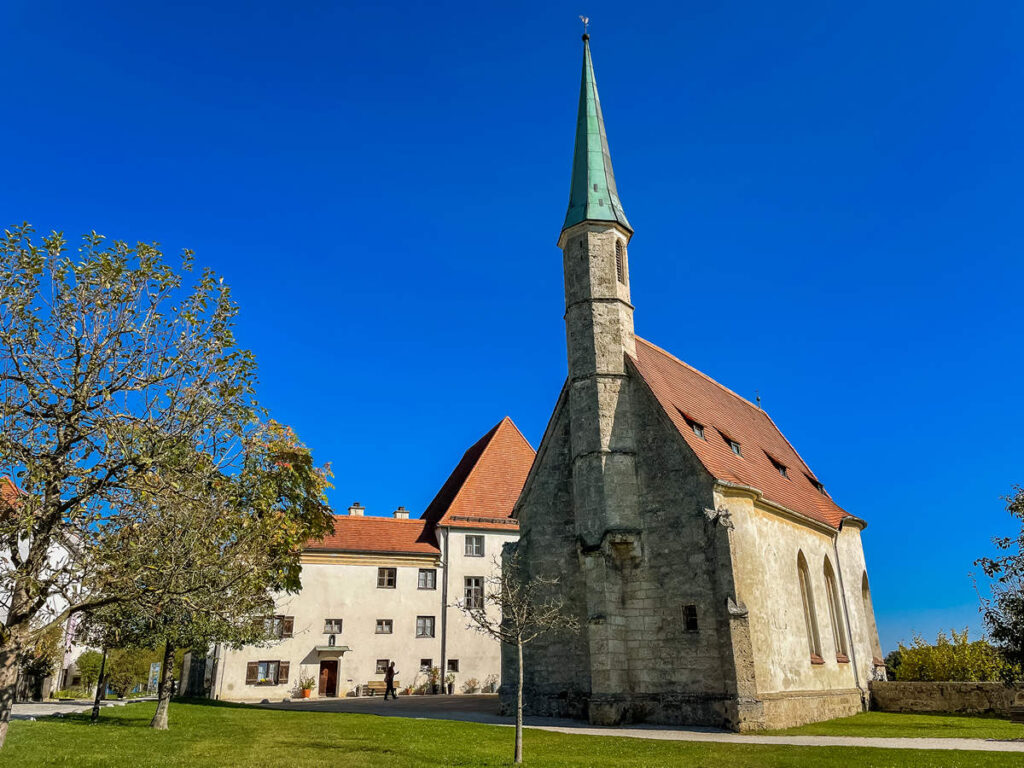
(379, 535)
(9, 492)
(687, 394)
(479, 493)
(483, 488)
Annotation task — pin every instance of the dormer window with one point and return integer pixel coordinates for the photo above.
(620, 262)
(698, 429)
(734, 446)
(779, 466)
(817, 484)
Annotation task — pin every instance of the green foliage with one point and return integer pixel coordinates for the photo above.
(130, 424)
(88, 663)
(44, 656)
(954, 657)
(1003, 606)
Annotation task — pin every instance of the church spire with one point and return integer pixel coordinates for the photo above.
(592, 195)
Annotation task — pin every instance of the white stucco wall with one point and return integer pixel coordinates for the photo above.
(344, 586)
(766, 547)
(479, 656)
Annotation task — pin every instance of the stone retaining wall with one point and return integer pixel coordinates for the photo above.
(956, 698)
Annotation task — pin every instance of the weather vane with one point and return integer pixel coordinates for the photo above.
(586, 21)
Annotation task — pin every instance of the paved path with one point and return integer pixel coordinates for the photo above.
(483, 709)
(31, 710)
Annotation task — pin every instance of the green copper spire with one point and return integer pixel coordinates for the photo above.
(592, 196)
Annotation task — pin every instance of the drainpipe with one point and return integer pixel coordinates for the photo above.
(444, 605)
(849, 625)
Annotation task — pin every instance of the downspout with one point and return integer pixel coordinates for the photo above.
(849, 625)
(444, 606)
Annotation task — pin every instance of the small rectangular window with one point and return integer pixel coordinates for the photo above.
(267, 673)
(474, 592)
(387, 578)
(620, 265)
(734, 445)
(332, 627)
(426, 664)
(427, 579)
(690, 618)
(453, 665)
(279, 626)
(385, 626)
(816, 483)
(779, 466)
(698, 428)
(474, 546)
(424, 626)
(382, 666)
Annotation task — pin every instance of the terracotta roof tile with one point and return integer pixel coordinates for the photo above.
(385, 535)
(479, 493)
(687, 394)
(484, 486)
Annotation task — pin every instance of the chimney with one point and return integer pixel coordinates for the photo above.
(401, 513)
(356, 510)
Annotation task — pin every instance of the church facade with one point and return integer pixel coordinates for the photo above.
(716, 580)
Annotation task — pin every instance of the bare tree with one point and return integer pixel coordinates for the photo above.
(516, 608)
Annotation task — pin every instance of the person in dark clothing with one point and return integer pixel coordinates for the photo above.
(389, 681)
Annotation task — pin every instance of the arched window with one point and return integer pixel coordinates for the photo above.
(620, 262)
(835, 611)
(869, 618)
(811, 621)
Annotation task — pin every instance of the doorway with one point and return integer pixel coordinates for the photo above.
(328, 678)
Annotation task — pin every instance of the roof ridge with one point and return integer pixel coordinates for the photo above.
(703, 375)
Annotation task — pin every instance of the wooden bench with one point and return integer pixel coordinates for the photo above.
(373, 687)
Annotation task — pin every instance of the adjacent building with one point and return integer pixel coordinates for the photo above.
(716, 579)
(382, 589)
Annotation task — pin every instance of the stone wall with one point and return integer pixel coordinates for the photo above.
(955, 698)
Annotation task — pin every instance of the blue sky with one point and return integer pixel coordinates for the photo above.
(826, 198)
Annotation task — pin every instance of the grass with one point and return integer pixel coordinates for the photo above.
(891, 725)
(207, 735)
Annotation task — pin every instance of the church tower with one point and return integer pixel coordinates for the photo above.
(599, 336)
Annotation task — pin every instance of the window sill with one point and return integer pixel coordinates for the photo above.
(842, 658)
(816, 659)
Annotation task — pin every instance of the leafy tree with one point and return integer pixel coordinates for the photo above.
(954, 657)
(88, 663)
(1003, 607)
(112, 370)
(515, 609)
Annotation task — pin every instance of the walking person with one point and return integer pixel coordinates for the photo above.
(389, 681)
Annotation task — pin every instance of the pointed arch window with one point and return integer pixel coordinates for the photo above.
(620, 262)
(810, 619)
(835, 613)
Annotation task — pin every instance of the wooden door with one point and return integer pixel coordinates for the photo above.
(328, 679)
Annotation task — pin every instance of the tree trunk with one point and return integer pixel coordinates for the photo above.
(519, 706)
(8, 686)
(164, 690)
(101, 688)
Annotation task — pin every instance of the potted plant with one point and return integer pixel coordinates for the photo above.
(306, 684)
(450, 681)
(435, 680)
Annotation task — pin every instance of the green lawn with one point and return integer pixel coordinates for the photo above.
(891, 725)
(204, 735)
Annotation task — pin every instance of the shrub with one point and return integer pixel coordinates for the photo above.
(471, 685)
(956, 659)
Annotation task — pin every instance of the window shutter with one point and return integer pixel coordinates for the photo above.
(252, 672)
(282, 672)
(287, 626)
